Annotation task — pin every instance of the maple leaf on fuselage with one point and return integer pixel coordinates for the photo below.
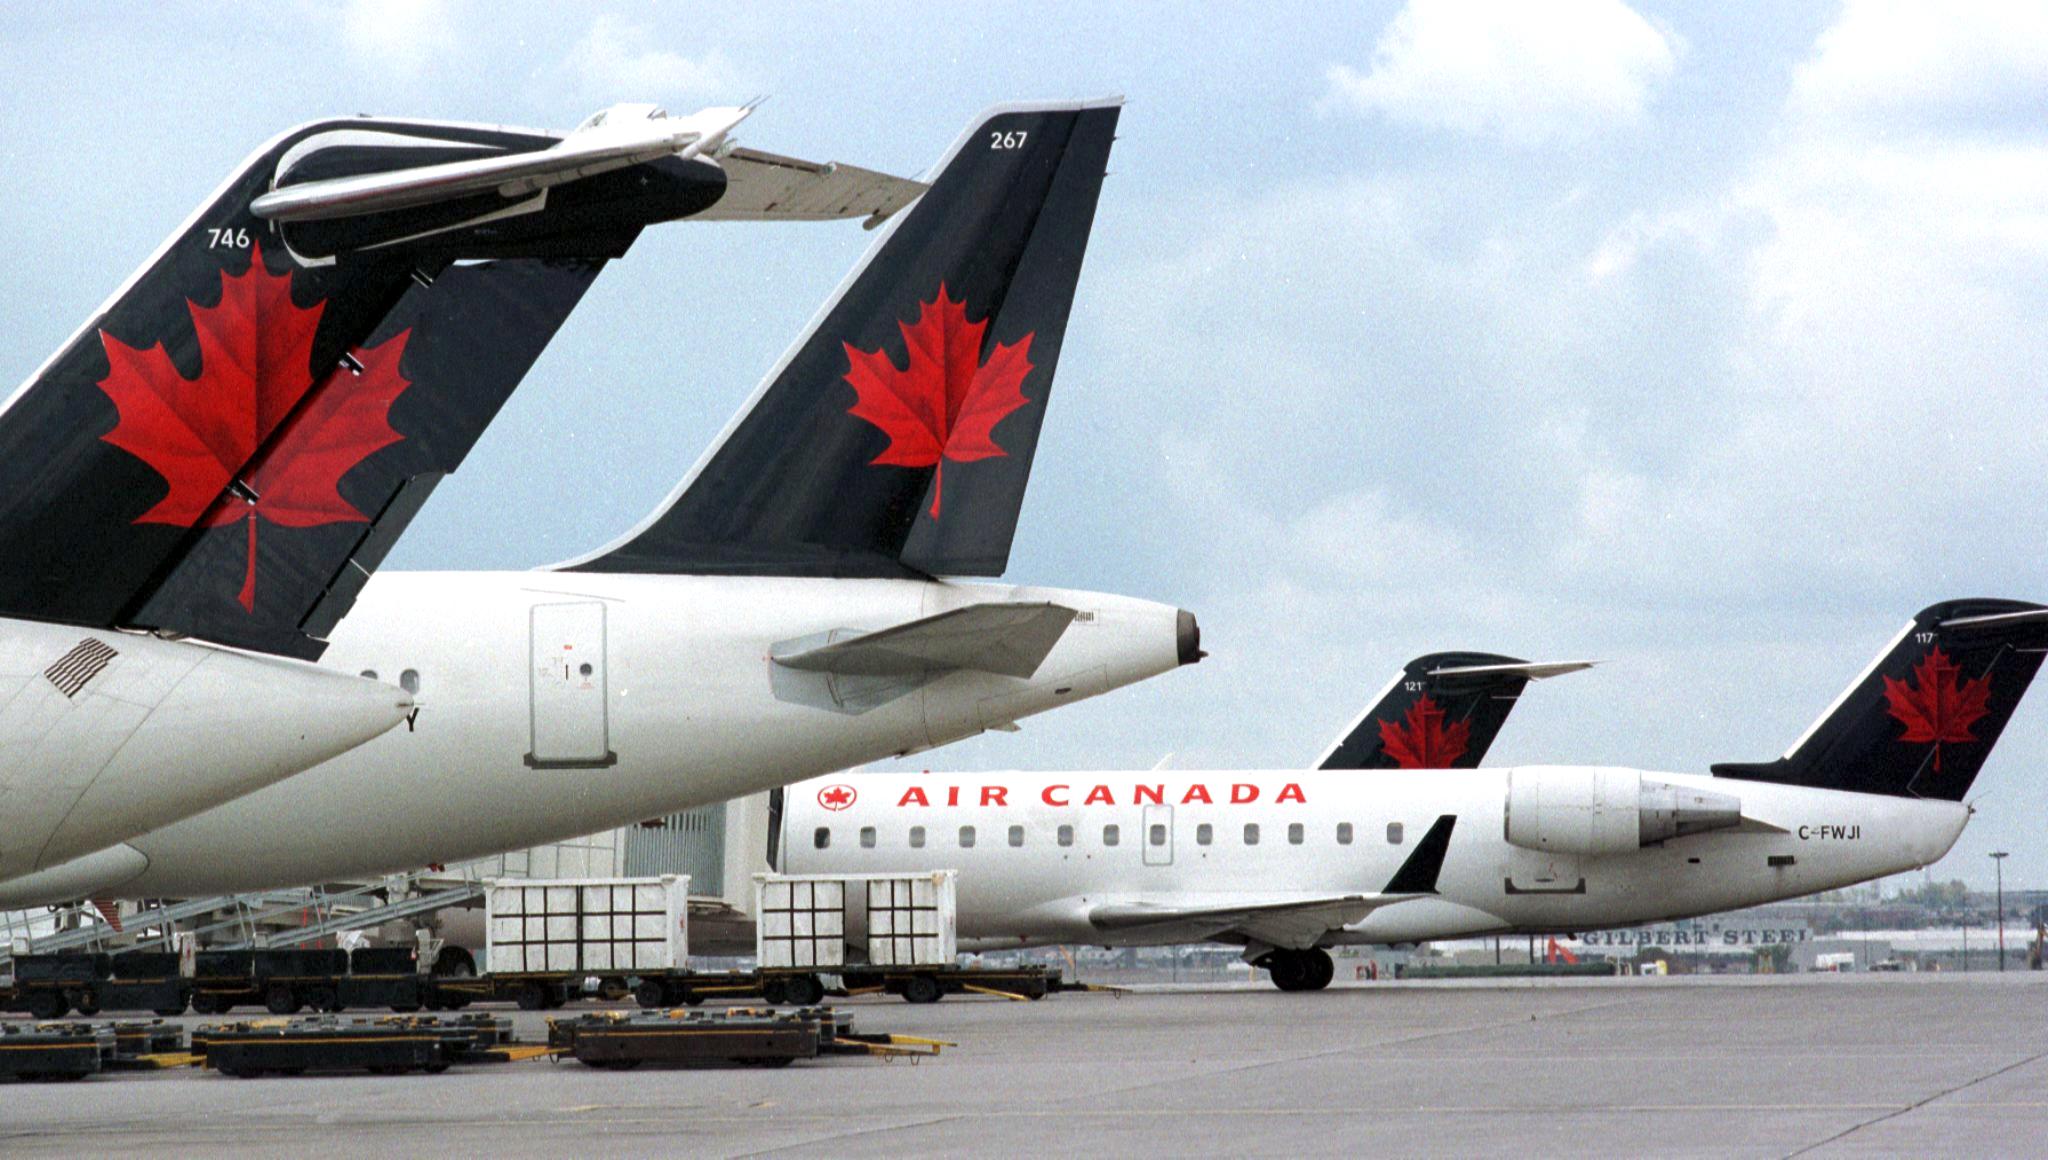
(255, 347)
(946, 403)
(1420, 740)
(1938, 708)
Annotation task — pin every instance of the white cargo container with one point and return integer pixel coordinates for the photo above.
(890, 920)
(621, 926)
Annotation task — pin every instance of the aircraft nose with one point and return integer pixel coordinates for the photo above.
(1188, 637)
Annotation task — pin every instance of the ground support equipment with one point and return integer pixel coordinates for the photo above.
(53, 1051)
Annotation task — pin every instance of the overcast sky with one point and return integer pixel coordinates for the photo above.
(1711, 348)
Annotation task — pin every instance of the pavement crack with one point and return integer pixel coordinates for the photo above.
(1916, 1105)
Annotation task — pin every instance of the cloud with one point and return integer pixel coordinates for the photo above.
(1528, 73)
(616, 61)
(401, 36)
(1882, 60)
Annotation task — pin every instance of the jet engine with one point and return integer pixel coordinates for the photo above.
(1607, 811)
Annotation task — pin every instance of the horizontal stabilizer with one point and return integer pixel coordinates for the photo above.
(767, 187)
(611, 140)
(1009, 639)
(1532, 670)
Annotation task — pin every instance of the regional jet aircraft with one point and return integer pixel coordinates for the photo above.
(1286, 864)
(227, 447)
(782, 614)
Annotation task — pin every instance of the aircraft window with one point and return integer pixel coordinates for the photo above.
(409, 680)
(1204, 833)
(917, 837)
(1111, 835)
(584, 669)
(1016, 835)
(821, 837)
(1158, 835)
(370, 673)
(1343, 833)
(1066, 835)
(867, 837)
(967, 837)
(1393, 833)
(1251, 833)
(1294, 834)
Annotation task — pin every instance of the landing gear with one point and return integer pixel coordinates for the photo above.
(1309, 970)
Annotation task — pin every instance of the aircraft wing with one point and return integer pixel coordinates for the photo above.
(769, 187)
(1008, 639)
(1281, 921)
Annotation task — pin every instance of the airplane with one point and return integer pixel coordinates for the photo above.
(194, 487)
(1288, 863)
(792, 608)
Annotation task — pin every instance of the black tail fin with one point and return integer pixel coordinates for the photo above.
(1922, 719)
(228, 446)
(1442, 712)
(896, 438)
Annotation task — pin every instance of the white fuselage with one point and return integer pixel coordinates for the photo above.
(104, 735)
(1041, 859)
(556, 704)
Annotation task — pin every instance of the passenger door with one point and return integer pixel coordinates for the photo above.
(571, 712)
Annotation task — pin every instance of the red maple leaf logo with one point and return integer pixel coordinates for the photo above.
(946, 403)
(836, 797)
(1420, 740)
(255, 346)
(1937, 707)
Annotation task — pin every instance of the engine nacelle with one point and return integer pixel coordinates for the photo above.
(1607, 811)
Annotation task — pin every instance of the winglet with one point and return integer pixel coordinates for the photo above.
(1418, 874)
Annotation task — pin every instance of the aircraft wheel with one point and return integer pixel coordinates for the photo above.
(1321, 969)
(1290, 970)
(922, 989)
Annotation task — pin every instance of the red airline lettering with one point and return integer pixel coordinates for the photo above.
(1155, 792)
(1243, 794)
(952, 795)
(1099, 794)
(1291, 792)
(993, 795)
(1046, 796)
(1196, 793)
(913, 796)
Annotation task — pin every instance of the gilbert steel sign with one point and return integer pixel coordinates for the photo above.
(1709, 935)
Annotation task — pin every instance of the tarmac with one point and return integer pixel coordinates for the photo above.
(1817, 1065)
